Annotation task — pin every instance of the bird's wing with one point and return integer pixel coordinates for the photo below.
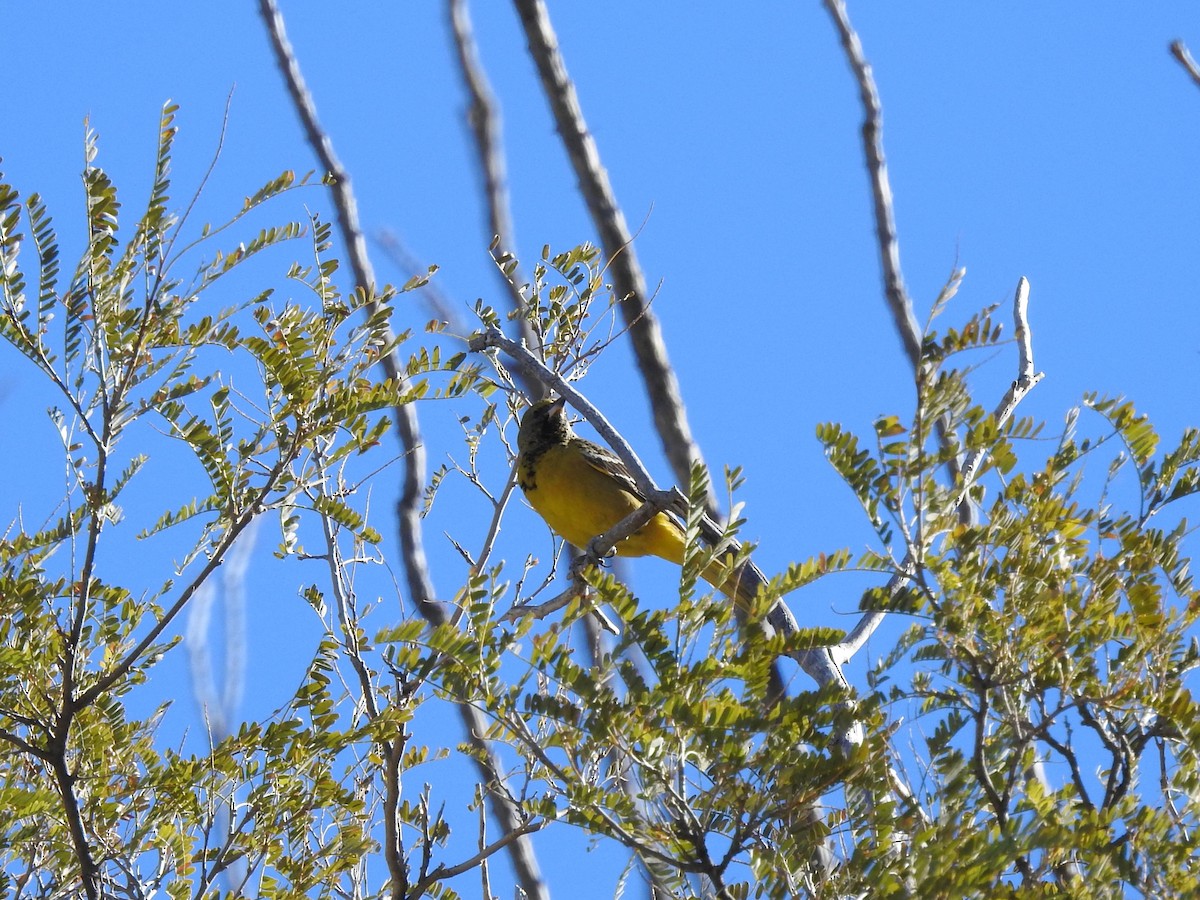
(607, 462)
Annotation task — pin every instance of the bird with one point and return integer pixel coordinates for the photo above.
(582, 490)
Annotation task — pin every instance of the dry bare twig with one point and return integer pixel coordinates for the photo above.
(887, 240)
(483, 118)
(420, 584)
(886, 236)
(1180, 51)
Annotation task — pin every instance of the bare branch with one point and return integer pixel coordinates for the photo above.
(540, 610)
(903, 316)
(483, 118)
(885, 220)
(1026, 380)
(1180, 51)
(420, 584)
(442, 872)
(898, 300)
(662, 387)
(499, 505)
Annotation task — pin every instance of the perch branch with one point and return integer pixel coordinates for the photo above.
(662, 387)
(595, 553)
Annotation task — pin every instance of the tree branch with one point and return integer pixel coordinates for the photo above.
(484, 122)
(89, 873)
(594, 554)
(896, 293)
(420, 583)
(898, 300)
(23, 745)
(1180, 51)
(662, 387)
(817, 662)
(442, 872)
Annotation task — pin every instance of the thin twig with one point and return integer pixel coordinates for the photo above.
(442, 872)
(392, 750)
(578, 589)
(1180, 51)
(541, 610)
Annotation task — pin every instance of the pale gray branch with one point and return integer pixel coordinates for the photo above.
(440, 873)
(483, 118)
(662, 387)
(577, 589)
(1180, 51)
(898, 300)
(420, 583)
(881, 190)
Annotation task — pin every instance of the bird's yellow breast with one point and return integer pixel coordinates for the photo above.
(579, 501)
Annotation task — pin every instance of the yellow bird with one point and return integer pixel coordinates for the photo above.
(582, 490)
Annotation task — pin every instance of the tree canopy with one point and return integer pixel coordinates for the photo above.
(1032, 731)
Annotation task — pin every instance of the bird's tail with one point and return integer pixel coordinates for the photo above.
(739, 581)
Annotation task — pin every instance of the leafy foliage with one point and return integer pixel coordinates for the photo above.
(1046, 665)
(122, 344)
(1050, 650)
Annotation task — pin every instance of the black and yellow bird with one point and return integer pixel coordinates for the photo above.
(582, 490)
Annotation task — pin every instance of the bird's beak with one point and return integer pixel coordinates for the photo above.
(557, 406)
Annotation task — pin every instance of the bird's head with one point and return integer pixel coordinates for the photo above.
(544, 423)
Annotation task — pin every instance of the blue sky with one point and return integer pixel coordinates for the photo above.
(1055, 141)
